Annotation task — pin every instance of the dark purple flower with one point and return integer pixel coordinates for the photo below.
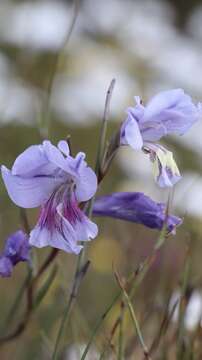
(169, 112)
(16, 249)
(49, 177)
(135, 207)
(6, 266)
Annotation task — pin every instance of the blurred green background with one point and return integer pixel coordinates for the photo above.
(147, 46)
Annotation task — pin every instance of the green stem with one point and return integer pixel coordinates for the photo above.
(136, 325)
(139, 274)
(181, 329)
(101, 144)
(72, 298)
(46, 122)
(120, 340)
(99, 324)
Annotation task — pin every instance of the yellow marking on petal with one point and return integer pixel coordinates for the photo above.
(166, 160)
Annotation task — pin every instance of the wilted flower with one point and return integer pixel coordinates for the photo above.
(135, 207)
(169, 112)
(47, 176)
(16, 249)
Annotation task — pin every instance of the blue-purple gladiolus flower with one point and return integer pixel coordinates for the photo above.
(16, 249)
(169, 112)
(135, 207)
(47, 176)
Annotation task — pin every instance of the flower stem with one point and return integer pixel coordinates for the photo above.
(140, 274)
(99, 323)
(134, 318)
(78, 277)
(102, 138)
(120, 340)
(45, 126)
(183, 304)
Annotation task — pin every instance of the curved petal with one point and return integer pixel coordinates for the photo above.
(55, 156)
(164, 100)
(153, 131)
(63, 147)
(86, 183)
(85, 229)
(135, 207)
(17, 247)
(130, 133)
(179, 122)
(28, 192)
(167, 179)
(165, 169)
(6, 267)
(42, 237)
(174, 110)
(29, 161)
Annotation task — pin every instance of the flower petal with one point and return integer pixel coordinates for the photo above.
(6, 266)
(85, 229)
(86, 183)
(41, 237)
(28, 192)
(174, 110)
(55, 157)
(29, 161)
(17, 247)
(130, 133)
(63, 147)
(164, 100)
(135, 207)
(165, 169)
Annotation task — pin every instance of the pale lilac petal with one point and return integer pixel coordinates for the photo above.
(174, 110)
(63, 147)
(167, 179)
(86, 183)
(153, 131)
(39, 237)
(85, 229)
(42, 237)
(177, 122)
(28, 192)
(164, 100)
(130, 134)
(80, 160)
(55, 156)
(33, 162)
(137, 112)
(29, 161)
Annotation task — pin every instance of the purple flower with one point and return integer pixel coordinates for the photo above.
(135, 207)
(169, 112)
(6, 266)
(47, 176)
(16, 249)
